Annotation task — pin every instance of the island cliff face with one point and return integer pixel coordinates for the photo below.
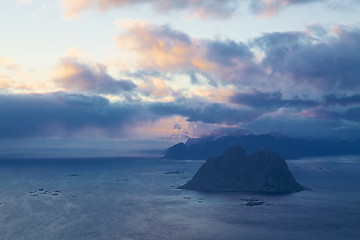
(234, 170)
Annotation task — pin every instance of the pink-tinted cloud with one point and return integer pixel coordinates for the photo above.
(200, 8)
(269, 8)
(73, 74)
(157, 88)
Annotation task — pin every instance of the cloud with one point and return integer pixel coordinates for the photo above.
(72, 74)
(155, 87)
(228, 52)
(6, 82)
(196, 110)
(267, 93)
(315, 61)
(15, 78)
(76, 115)
(328, 63)
(152, 47)
(200, 8)
(64, 114)
(270, 101)
(334, 99)
(8, 63)
(269, 8)
(61, 114)
(343, 116)
(215, 94)
(351, 114)
(304, 127)
(234, 62)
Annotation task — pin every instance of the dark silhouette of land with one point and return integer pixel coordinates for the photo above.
(287, 147)
(234, 170)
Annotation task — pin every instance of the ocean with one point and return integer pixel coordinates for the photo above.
(137, 198)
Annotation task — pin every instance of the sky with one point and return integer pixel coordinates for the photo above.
(144, 74)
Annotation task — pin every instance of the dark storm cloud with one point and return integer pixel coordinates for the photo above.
(59, 114)
(80, 76)
(334, 99)
(205, 112)
(270, 100)
(351, 114)
(62, 114)
(304, 127)
(329, 64)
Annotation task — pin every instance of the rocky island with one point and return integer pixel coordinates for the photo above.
(235, 170)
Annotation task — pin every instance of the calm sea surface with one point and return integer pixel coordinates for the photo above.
(110, 199)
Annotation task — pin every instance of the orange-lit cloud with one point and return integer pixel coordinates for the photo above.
(74, 8)
(220, 95)
(155, 87)
(16, 79)
(172, 128)
(7, 63)
(6, 82)
(147, 46)
(15, 85)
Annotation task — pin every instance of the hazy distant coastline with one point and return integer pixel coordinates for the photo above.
(287, 147)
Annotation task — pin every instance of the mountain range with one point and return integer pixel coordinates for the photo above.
(288, 147)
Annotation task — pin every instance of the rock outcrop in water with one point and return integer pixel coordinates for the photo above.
(234, 170)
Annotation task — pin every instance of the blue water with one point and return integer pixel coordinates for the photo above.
(103, 199)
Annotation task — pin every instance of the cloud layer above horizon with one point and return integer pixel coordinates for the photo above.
(160, 82)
